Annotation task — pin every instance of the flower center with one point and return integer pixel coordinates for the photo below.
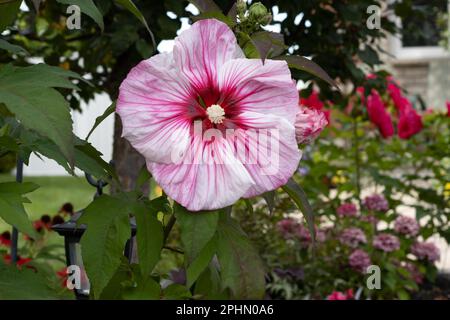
(215, 113)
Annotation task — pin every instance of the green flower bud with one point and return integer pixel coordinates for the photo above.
(257, 11)
(266, 19)
(241, 7)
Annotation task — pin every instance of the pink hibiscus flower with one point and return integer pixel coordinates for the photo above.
(207, 83)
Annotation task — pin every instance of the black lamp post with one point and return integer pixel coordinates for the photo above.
(72, 235)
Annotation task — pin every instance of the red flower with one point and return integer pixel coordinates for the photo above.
(313, 101)
(62, 274)
(378, 115)
(448, 108)
(20, 261)
(5, 239)
(409, 123)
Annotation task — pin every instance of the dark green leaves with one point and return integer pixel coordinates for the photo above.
(130, 6)
(5, 45)
(268, 44)
(87, 7)
(8, 12)
(304, 64)
(11, 205)
(241, 268)
(28, 93)
(298, 195)
(149, 237)
(24, 284)
(197, 229)
(108, 229)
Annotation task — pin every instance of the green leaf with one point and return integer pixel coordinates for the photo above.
(131, 7)
(100, 119)
(269, 197)
(143, 176)
(206, 5)
(241, 268)
(176, 291)
(24, 284)
(146, 290)
(8, 12)
(149, 237)
(304, 64)
(27, 93)
(200, 263)
(298, 195)
(11, 206)
(103, 242)
(87, 7)
(196, 228)
(5, 45)
(268, 44)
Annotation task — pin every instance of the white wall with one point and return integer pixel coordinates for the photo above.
(102, 138)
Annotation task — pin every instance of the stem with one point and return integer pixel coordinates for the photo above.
(169, 227)
(357, 159)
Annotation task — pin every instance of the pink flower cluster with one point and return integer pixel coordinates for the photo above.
(292, 229)
(376, 202)
(406, 226)
(347, 210)
(352, 237)
(416, 275)
(425, 251)
(359, 260)
(386, 242)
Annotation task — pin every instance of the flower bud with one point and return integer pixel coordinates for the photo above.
(257, 11)
(241, 7)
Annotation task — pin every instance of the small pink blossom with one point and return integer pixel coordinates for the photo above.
(426, 251)
(376, 202)
(309, 124)
(352, 237)
(448, 108)
(359, 260)
(386, 242)
(338, 295)
(406, 226)
(347, 210)
(288, 227)
(416, 275)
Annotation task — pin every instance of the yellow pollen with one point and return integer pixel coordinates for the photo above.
(215, 113)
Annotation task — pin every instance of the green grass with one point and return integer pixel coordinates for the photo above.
(52, 194)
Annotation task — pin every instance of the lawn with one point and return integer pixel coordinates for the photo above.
(53, 193)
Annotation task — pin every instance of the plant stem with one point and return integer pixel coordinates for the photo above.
(357, 159)
(169, 227)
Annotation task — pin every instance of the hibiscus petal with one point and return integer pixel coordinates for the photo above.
(272, 155)
(202, 49)
(265, 88)
(209, 178)
(155, 104)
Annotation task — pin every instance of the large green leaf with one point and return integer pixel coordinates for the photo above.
(103, 242)
(87, 7)
(297, 194)
(11, 206)
(241, 268)
(304, 64)
(8, 12)
(146, 290)
(268, 44)
(149, 237)
(24, 284)
(197, 229)
(200, 263)
(28, 93)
